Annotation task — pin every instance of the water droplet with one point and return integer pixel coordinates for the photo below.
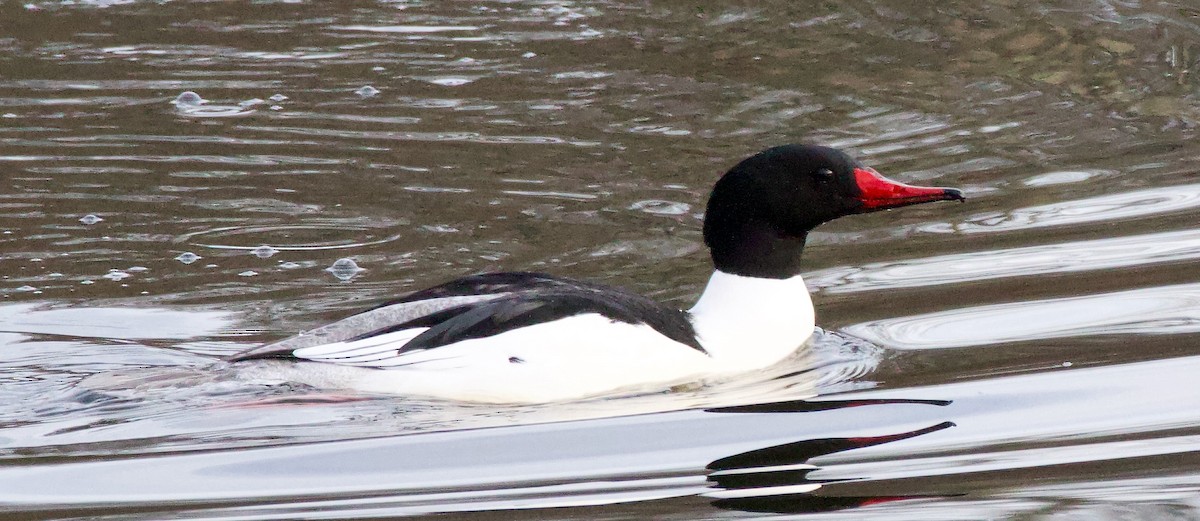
(90, 219)
(367, 91)
(278, 97)
(187, 257)
(439, 228)
(451, 81)
(660, 207)
(188, 99)
(264, 251)
(115, 275)
(344, 269)
(248, 273)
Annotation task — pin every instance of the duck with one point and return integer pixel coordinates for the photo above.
(535, 338)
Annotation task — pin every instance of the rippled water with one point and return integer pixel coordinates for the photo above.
(1030, 354)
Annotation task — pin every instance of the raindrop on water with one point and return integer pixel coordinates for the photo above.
(264, 251)
(115, 275)
(660, 207)
(90, 219)
(187, 257)
(344, 269)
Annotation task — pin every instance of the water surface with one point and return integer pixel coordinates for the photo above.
(1028, 355)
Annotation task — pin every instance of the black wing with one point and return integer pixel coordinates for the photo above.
(483, 305)
(493, 317)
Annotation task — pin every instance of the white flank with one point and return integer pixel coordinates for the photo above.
(574, 357)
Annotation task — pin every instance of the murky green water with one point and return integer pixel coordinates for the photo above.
(1029, 355)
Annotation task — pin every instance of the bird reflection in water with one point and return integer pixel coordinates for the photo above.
(775, 479)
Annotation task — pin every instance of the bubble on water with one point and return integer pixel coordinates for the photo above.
(26, 288)
(87, 281)
(289, 265)
(137, 268)
(276, 107)
(366, 91)
(451, 81)
(378, 68)
(187, 257)
(191, 104)
(345, 268)
(115, 275)
(8, 115)
(90, 219)
(264, 251)
(188, 99)
(277, 97)
(660, 207)
(251, 102)
(529, 55)
(55, 274)
(248, 273)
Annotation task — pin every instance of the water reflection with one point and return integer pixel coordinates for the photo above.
(1065, 257)
(1116, 207)
(112, 323)
(1163, 310)
(775, 479)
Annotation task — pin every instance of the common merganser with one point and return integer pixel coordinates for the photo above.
(533, 338)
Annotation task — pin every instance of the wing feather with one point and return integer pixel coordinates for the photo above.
(472, 307)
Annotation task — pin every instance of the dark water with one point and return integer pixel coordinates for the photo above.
(1031, 354)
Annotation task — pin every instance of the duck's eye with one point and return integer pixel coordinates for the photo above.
(824, 174)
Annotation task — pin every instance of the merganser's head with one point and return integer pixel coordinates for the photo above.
(761, 211)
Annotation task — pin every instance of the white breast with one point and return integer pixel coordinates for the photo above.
(749, 322)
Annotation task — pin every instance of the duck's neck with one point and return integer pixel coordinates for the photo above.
(752, 321)
(754, 250)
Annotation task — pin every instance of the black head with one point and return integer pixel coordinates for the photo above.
(761, 211)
